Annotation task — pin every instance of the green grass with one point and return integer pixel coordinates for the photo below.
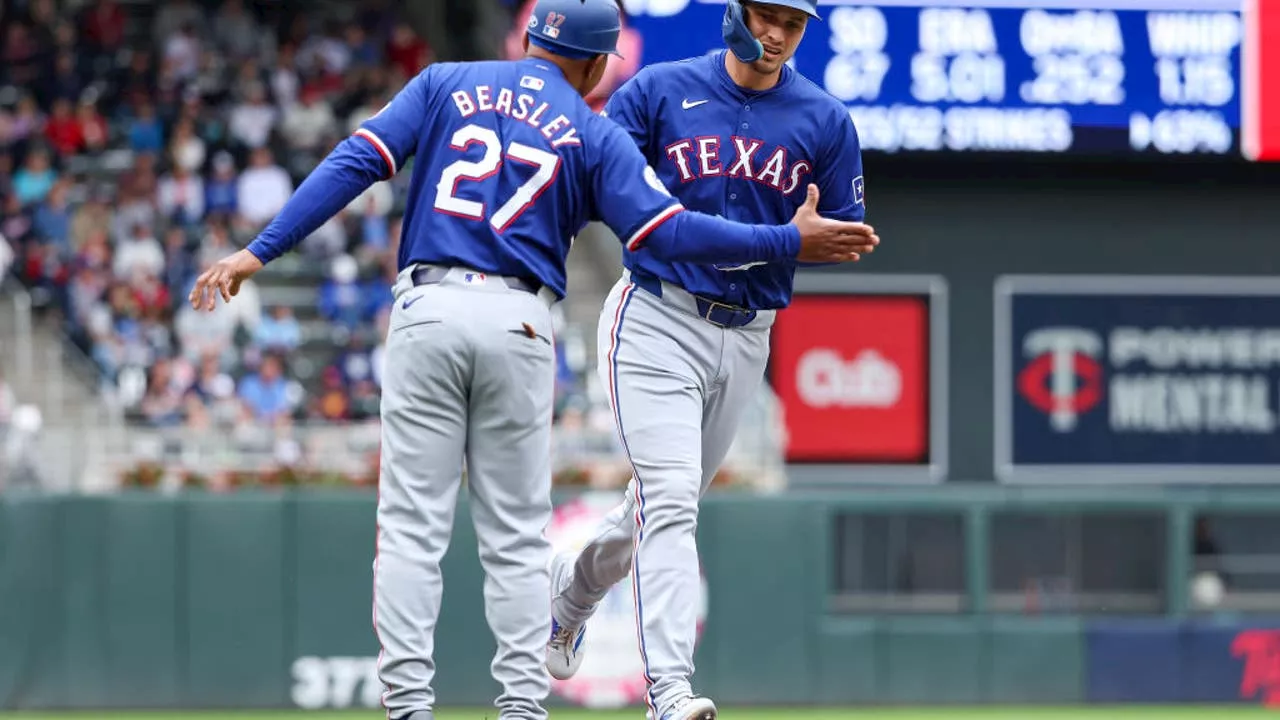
(1231, 712)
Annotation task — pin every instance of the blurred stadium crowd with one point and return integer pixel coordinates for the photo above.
(140, 142)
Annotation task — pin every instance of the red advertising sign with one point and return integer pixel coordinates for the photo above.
(852, 373)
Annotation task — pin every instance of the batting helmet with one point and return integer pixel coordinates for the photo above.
(738, 36)
(577, 29)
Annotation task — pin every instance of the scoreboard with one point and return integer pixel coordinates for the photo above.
(1172, 77)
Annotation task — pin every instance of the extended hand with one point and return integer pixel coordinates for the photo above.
(825, 241)
(224, 279)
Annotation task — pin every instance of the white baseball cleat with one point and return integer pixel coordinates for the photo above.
(692, 708)
(564, 649)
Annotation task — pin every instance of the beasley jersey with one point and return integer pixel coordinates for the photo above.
(508, 164)
(743, 155)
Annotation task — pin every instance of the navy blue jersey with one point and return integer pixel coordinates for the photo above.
(509, 164)
(743, 155)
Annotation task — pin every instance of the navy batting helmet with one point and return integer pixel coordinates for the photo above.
(738, 36)
(577, 29)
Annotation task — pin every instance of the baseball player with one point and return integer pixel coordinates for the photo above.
(509, 164)
(683, 345)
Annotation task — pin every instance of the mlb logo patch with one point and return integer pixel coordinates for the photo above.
(474, 278)
(551, 28)
(859, 191)
(529, 82)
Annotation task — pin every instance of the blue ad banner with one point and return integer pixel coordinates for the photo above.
(1202, 661)
(1044, 76)
(1105, 379)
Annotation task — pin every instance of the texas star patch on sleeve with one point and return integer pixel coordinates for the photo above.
(859, 191)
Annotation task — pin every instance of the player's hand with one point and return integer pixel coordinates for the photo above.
(826, 241)
(223, 279)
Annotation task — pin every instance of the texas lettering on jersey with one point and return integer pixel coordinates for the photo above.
(744, 155)
(518, 106)
(698, 158)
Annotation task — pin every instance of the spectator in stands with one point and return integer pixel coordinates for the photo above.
(363, 50)
(279, 331)
(182, 52)
(179, 263)
(285, 83)
(63, 131)
(134, 83)
(85, 292)
(211, 399)
(53, 217)
(332, 403)
(163, 403)
(187, 149)
(65, 82)
(36, 177)
(145, 131)
(216, 243)
(91, 216)
(355, 362)
(364, 400)
(172, 16)
(20, 55)
(253, 119)
(406, 51)
(27, 121)
(324, 53)
(46, 273)
(235, 31)
(309, 126)
(265, 393)
(93, 127)
(140, 253)
(344, 300)
(262, 189)
(133, 207)
(180, 196)
(220, 190)
(102, 25)
(16, 221)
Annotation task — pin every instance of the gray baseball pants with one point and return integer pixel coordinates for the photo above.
(470, 373)
(679, 386)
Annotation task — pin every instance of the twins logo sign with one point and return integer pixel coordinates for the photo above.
(1101, 379)
(612, 672)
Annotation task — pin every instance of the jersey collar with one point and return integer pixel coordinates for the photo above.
(545, 66)
(722, 72)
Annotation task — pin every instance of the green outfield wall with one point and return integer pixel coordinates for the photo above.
(263, 600)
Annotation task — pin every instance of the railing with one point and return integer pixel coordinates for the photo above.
(175, 457)
(23, 336)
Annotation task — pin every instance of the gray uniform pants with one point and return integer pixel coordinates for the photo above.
(464, 378)
(679, 386)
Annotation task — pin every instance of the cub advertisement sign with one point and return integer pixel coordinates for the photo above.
(856, 372)
(1103, 379)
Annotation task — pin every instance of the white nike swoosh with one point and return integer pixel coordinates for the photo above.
(686, 104)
